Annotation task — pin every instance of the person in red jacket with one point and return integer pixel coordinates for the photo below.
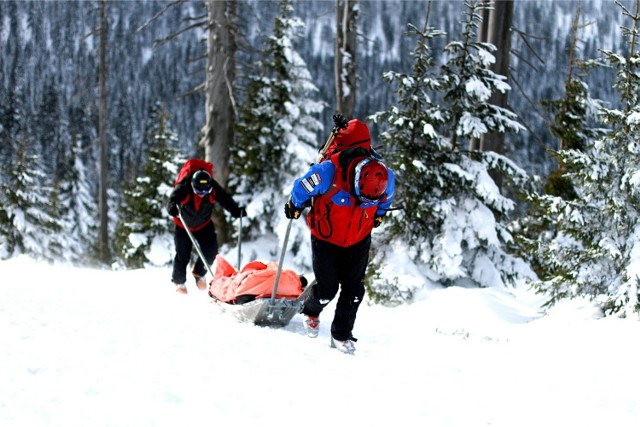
(349, 194)
(196, 195)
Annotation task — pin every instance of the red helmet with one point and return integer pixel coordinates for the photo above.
(370, 179)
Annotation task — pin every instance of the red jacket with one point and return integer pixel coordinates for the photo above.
(336, 215)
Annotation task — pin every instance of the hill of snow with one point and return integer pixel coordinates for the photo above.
(85, 347)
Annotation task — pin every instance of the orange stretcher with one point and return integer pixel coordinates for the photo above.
(262, 293)
(254, 281)
(249, 293)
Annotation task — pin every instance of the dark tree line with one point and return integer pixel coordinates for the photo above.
(53, 128)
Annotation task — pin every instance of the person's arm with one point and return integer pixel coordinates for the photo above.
(226, 201)
(178, 195)
(315, 182)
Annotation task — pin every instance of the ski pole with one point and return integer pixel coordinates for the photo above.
(284, 250)
(239, 244)
(195, 243)
(339, 123)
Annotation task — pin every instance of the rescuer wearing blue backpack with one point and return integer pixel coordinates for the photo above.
(349, 194)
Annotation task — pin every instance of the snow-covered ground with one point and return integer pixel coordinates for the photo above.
(87, 347)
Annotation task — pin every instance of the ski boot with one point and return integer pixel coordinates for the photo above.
(347, 346)
(312, 326)
(201, 282)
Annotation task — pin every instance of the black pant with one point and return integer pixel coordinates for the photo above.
(335, 266)
(208, 241)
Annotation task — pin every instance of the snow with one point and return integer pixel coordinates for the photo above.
(634, 118)
(477, 89)
(114, 348)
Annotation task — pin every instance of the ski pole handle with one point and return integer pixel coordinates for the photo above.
(339, 123)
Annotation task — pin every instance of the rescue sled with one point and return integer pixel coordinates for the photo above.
(256, 294)
(251, 294)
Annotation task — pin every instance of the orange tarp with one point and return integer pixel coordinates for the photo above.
(255, 278)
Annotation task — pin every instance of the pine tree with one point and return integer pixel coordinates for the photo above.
(78, 207)
(573, 120)
(12, 109)
(598, 240)
(47, 127)
(125, 156)
(453, 215)
(144, 226)
(278, 124)
(574, 114)
(574, 123)
(29, 226)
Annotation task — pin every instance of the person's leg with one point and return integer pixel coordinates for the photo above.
(182, 257)
(208, 241)
(352, 268)
(324, 258)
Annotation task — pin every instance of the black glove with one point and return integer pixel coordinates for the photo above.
(172, 209)
(240, 213)
(377, 220)
(290, 211)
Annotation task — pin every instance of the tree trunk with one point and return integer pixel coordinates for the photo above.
(218, 130)
(103, 238)
(345, 63)
(483, 32)
(499, 34)
(220, 114)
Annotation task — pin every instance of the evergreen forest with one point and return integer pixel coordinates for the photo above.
(567, 172)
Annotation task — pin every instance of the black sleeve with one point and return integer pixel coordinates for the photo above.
(225, 200)
(179, 193)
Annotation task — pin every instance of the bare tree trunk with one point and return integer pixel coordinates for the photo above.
(499, 34)
(483, 33)
(571, 65)
(103, 238)
(220, 114)
(218, 130)
(345, 63)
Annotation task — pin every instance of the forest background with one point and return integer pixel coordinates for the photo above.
(49, 109)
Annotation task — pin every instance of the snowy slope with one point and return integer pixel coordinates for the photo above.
(101, 348)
